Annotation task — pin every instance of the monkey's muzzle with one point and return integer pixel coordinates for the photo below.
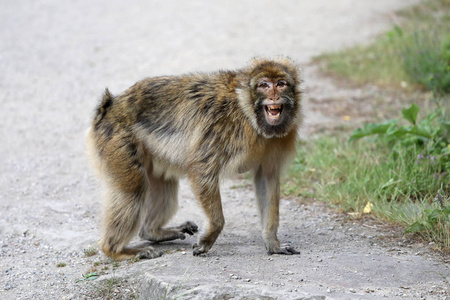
(273, 113)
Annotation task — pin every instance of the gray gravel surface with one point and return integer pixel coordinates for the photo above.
(56, 57)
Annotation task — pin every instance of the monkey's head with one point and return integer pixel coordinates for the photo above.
(271, 97)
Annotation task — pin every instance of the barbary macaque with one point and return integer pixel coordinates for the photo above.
(205, 127)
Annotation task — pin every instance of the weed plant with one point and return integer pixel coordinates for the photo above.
(399, 169)
(426, 60)
(425, 175)
(414, 53)
(90, 251)
(400, 185)
(429, 137)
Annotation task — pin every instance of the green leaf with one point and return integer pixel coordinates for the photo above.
(446, 125)
(428, 224)
(397, 132)
(416, 130)
(434, 216)
(91, 276)
(389, 183)
(446, 210)
(430, 118)
(414, 227)
(410, 114)
(428, 211)
(370, 129)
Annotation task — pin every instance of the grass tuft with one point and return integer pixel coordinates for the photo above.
(350, 175)
(415, 53)
(90, 251)
(398, 171)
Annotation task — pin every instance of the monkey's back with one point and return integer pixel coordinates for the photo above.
(189, 121)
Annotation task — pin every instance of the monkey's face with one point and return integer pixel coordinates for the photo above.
(276, 105)
(272, 103)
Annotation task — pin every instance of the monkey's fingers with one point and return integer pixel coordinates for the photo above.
(285, 249)
(189, 228)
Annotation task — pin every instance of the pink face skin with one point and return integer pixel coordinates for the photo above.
(272, 88)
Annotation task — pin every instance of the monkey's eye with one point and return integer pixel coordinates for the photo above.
(281, 83)
(263, 85)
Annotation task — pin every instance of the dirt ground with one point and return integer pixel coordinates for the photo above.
(57, 58)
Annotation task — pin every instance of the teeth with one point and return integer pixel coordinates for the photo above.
(274, 111)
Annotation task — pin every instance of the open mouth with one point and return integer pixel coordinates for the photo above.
(273, 113)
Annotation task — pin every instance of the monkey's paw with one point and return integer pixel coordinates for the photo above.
(200, 249)
(143, 250)
(284, 249)
(149, 253)
(188, 227)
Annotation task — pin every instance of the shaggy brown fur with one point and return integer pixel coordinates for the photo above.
(205, 126)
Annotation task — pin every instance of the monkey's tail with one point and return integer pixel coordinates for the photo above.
(103, 107)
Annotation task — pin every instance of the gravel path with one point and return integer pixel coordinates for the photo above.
(56, 59)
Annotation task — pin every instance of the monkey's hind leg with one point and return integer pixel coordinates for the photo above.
(121, 222)
(126, 187)
(160, 205)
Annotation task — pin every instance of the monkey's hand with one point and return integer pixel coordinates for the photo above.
(169, 234)
(283, 249)
(188, 227)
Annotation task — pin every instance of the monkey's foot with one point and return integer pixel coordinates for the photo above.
(284, 249)
(200, 249)
(144, 250)
(149, 253)
(139, 250)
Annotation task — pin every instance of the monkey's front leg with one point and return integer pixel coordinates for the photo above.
(209, 196)
(267, 185)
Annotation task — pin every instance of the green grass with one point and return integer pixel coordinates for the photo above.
(397, 171)
(348, 176)
(415, 53)
(90, 251)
